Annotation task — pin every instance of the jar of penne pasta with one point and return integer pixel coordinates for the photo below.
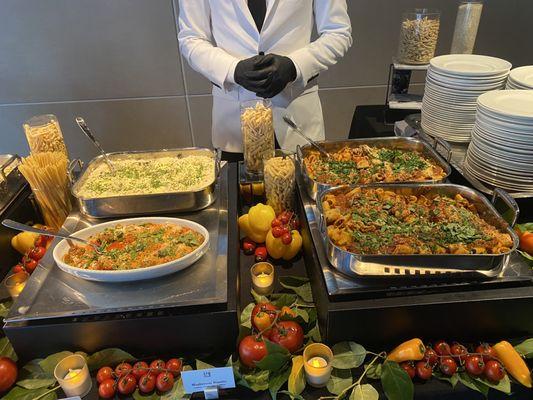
(280, 182)
(257, 127)
(44, 134)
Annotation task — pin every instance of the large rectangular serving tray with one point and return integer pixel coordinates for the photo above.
(144, 204)
(314, 188)
(348, 262)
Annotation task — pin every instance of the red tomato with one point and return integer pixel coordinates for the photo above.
(37, 253)
(526, 242)
(41, 241)
(494, 371)
(8, 373)
(288, 334)
(29, 264)
(486, 351)
(140, 368)
(474, 365)
(251, 349)
(459, 352)
(122, 369)
(174, 366)
(104, 373)
(423, 370)
(431, 356)
(107, 389)
(157, 366)
(408, 367)
(164, 382)
(268, 308)
(18, 268)
(127, 384)
(442, 348)
(448, 366)
(147, 383)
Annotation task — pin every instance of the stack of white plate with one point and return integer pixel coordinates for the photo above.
(521, 78)
(501, 150)
(453, 84)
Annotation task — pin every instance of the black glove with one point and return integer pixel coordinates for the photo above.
(274, 73)
(248, 66)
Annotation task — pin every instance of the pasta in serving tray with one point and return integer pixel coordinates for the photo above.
(377, 221)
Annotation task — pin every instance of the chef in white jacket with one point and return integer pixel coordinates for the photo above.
(263, 48)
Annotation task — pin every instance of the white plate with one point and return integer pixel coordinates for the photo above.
(517, 104)
(134, 274)
(471, 80)
(507, 124)
(469, 86)
(470, 65)
(522, 76)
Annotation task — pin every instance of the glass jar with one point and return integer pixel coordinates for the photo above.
(418, 36)
(466, 26)
(44, 134)
(280, 182)
(258, 140)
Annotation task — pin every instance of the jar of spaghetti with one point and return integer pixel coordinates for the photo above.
(257, 128)
(280, 183)
(44, 134)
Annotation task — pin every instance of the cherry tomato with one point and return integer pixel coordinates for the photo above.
(147, 383)
(164, 382)
(8, 373)
(262, 321)
(140, 368)
(448, 366)
(442, 348)
(526, 242)
(261, 253)
(174, 366)
(423, 370)
(251, 349)
(487, 351)
(459, 352)
(286, 238)
(248, 246)
(41, 241)
(37, 253)
(284, 218)
(267, 308)
(288, 334)
(104, 373)
(474, 365)
(285, 229)
(127, 384)
(275, 222)
(122, 369)
(296, 225)
(18, 268)
(277, 231)
(157, 366)
(494, 371)
(408, 367)
(431, 356)
(29, 264)
(107, 389)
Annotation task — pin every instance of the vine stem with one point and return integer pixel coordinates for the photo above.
(47, 392)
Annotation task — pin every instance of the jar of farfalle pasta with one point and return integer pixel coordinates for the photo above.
(44, 134)
(257, 134)
(280, 182)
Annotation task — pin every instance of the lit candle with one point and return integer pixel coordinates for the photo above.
(73, 375)
(262, 277)
(317, 364)
(15, 283)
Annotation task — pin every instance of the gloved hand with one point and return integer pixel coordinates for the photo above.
(245, 73)
(274, 73)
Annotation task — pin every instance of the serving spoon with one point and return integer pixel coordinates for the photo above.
(288, 120)
(83, 126)
(27, 228)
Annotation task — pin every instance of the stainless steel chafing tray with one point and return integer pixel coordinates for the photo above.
(144, 204)
(314, 188)
(349, 263)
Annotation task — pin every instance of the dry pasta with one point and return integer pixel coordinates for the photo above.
(45, 137)
(257, 136)
(47, 175)
(279, 178)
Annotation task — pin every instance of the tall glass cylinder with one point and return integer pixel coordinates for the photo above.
(418, 36)
(280, 182)
(466, 26)
(44, 134)
(257, 128)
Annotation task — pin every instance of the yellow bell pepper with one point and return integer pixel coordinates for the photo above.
(294, 247)
(24, 241)
(513, 363)
(256, 223)
(412, 350)
(276, 249)
(246, 230)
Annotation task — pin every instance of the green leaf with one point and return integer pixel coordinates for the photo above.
(314, 334)
(528, 226)
(312, 314)
(292, 395)
(347, 355)
(277, 381)
(296, 384)
(259, 298)
(340, 379)
(452, 380)
(273, 348)
(49, 363)
(137, 395)
(298, 285)
(36, 383)
(109, 356)
(396, 383)
(6, 350)
(300, 312)
(284, 299)
(503, 386)
(470, 383)
(239, 378)
(364, 392)
(18, 393)
(202, 365)
(373, 371)
(273, 362)
(4, 308)
(246, 315)
(525, 348)
(257, 381)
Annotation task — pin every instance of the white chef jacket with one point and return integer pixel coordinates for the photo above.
(214, 35)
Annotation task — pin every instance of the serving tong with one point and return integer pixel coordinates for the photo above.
(83, 126)
(288, 120)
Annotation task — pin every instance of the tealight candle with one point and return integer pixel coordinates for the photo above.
(262, 277)
(317, 364)
(15, 283)
(73, 376)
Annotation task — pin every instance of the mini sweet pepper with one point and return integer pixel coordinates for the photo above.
(513, 363)
(412, 350)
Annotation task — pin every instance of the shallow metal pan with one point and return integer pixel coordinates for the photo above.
(349, 263)
(314, 188)
(145, 204)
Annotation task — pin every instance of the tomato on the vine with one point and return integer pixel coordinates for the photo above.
(18, 268)
(262, 321)
(147, 383)
(267, 308)
(486, 351)
(431, 356)
(423, 370)
(8, 373)
(122, 369)
(252, 349)
(448, 366)
(494, 371)
(107, 389)
(140, 368)
(157, 366)
(288, 334)
(442, 348)
(459, 352)
(409, 367)
(474, 365)
(37, 253)
(127, 384)
(29, 264)
(164, 382)
(104, 373)
(174, 366)
(41, 241)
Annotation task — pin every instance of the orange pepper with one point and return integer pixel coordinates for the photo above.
(412, 350)
(513, 363)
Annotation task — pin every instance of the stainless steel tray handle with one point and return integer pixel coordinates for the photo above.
(71, 167)
(299, 155)
(446, 147)
(218, 158)
(510, 202)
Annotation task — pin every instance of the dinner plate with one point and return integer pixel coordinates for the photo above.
(522, 77)
(133, 274)
(517, 104)
(470, 65)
